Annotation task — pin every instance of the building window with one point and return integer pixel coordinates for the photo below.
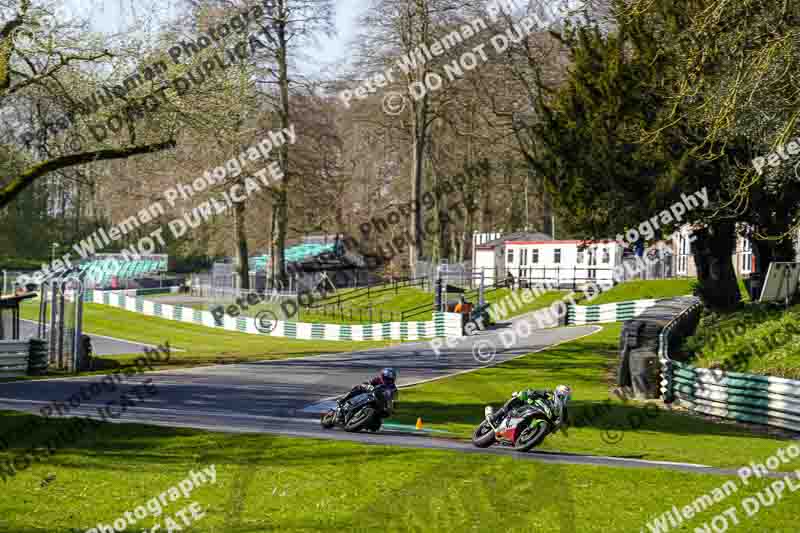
(683, 255)
(535, 255)
(606, 256)
(557, 255)
(580, 257)
(747, 256)
(510, 259)
(523, 257)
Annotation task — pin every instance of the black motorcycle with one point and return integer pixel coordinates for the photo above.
(365, 411)
(524, 427)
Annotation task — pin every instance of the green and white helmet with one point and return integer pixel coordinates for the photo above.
(563, 391)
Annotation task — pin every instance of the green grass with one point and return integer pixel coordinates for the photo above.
(651, 290)
(200, 344)
(743, 291)
(406, 298)
(757, 339)
(267, 483)
(389, 301)
(503, 307)
(305, 315)
(414, 297)
(456, 404)
(356, 311)
(21, 263)
(644, 290)
(403, 298)
(411, 297)
(544, 300)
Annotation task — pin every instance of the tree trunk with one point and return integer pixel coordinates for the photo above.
(712, 250)
(78, 209)
(419, 127)
(280, 207)
(527, 199)
(770, 251)
(421, 117)
(273, 231)
(437, 243)
(242, 254)
(444, 229)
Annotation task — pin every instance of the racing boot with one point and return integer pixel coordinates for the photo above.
(339, 412)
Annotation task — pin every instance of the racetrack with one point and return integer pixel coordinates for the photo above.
(101, 345)
(284, 388)
(279, 396)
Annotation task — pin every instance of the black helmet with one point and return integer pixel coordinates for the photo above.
(389, 376)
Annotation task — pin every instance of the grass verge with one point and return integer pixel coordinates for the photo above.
(267, 483)
(644, 290)
(199, 344)
(651, 290)
(410, 298)
(357, 311)
(600, 425)
(757, 339)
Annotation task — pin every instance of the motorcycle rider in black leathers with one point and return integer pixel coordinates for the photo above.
(385, 379)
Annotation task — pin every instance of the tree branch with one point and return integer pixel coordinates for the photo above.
(63, 62)
(26, 178)
(7, 44)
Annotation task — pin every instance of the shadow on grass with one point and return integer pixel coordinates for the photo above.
(598, 415)
(120, 447)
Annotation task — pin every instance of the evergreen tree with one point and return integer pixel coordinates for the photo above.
(614, 161)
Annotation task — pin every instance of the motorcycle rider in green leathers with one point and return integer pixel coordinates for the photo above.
(519, 399)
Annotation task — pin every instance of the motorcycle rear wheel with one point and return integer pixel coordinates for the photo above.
(532, 436)
(483, 436)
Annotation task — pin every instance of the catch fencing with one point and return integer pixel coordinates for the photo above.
(764, 400)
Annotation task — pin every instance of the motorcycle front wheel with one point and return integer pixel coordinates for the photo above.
(532, 436)
(328, 420)
(483, 436)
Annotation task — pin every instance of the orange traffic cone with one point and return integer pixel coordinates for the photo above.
(419, 423)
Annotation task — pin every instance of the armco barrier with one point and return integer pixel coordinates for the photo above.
(442, 325)
(579, 315)
(749, 398)
(13, 358)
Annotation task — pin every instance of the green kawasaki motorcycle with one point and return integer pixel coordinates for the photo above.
(525, 420)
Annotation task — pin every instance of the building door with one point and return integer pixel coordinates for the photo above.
(592, 270)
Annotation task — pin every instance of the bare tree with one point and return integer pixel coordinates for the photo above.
(288, 25)
(29, 64)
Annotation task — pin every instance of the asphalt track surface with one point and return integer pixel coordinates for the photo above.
(100, 345)
(285, 397)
